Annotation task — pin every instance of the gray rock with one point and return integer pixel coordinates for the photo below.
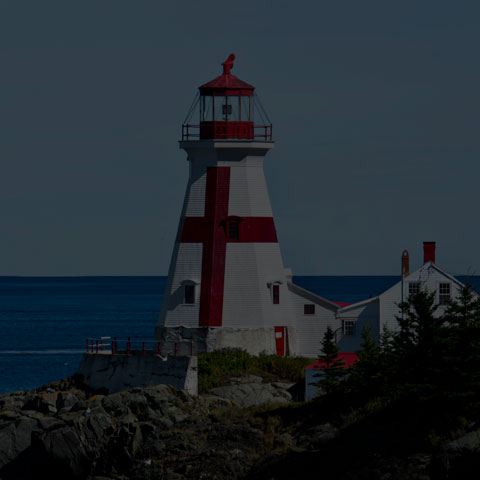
(96, 402)
(185, 397)
(458, 458)
(282, 385)
(212, 402)
(159, 395)
(15, 400)
(65, 401)
(64, 447)
(115, 405)
(80, 406)
(285, 440)
(252, 394)
(8, 415)
(97, 425)
(8, 447)
(49, 423)
(246, 379)
(315, 437)
(15, 437)
(147, 428)
(137, 441)
(40, 404)
(469, 442)
(237, 453)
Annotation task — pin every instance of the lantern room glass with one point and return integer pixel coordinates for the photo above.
(226, 108)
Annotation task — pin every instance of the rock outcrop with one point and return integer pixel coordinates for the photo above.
(250, 391)
(151, 432)
(62, 432)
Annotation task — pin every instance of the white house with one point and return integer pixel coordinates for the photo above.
(380, 312)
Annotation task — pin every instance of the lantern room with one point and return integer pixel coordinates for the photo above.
(226, 107)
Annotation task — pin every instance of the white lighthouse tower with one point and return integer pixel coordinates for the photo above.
(227, 286)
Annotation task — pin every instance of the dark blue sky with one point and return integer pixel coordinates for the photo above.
(375, 107)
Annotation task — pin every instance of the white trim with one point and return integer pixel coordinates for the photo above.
(313, 297)
(359, 304)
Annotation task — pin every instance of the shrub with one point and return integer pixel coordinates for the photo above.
(216, 368)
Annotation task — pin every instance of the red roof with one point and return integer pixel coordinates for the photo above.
(348, 357)
(342, 304)
(226, 83)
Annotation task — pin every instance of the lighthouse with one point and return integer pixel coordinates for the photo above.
(227, 285)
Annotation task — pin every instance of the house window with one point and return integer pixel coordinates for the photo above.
(348, 327)
(413, 288)
(233, 230)
(276, 294)
(309, 309)
(189, 294)
(443, 293)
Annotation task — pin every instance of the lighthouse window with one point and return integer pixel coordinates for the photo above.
(189, 294)
(233, 230)
(227, 109)
(276, 294)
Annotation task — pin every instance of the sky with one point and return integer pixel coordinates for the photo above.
(375, 111)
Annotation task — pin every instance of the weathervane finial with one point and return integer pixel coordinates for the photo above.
(228, 64)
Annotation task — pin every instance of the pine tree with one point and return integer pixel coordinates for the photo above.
(333, 367)
(415, 352)
(366, 375)
(462, 346)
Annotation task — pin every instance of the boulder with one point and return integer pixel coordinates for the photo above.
(315, 437)
(15, 437)
(253, 394)
(15, 400)
(41, 404)
(65, 451)
(457, 459)
(246, 379)
(66, 400)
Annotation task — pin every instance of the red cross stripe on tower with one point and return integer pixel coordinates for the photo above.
(211, 231)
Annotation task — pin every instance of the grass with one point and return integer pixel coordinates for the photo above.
(216, 368)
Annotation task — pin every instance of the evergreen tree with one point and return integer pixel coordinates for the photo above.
(366, 375)
(333, 367)
(462, 346)
(415, 353)
(433, 357)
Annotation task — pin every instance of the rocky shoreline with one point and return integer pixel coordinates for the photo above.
(247, 429)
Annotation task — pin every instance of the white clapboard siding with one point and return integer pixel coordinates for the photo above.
(366, 314)
(195, 197)
(188, 268)
(250, 270)
(311, 328)
(248, 195)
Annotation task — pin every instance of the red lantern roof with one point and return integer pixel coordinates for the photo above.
(227, 84)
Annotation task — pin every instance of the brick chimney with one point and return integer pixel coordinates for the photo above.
(428, 252)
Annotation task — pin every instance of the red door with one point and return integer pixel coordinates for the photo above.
(280, 339)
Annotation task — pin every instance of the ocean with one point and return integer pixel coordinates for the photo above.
(45, 321)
